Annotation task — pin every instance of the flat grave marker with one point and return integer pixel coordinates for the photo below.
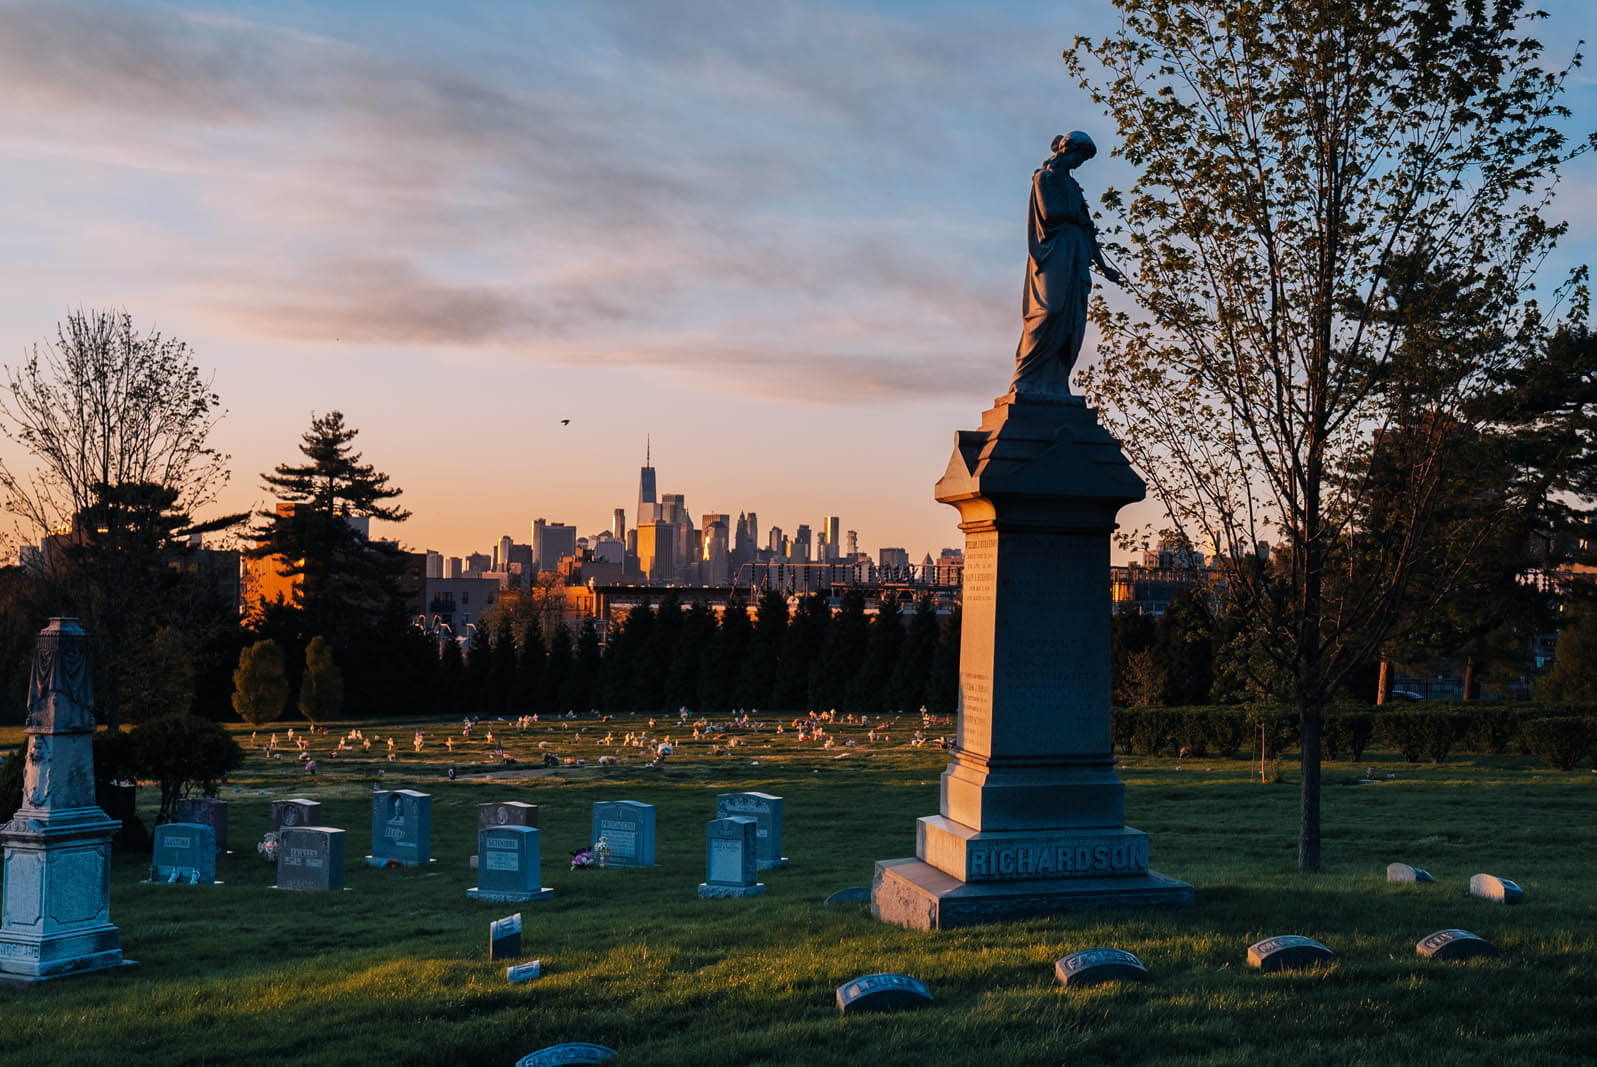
(570, 1052)
(310, 858)
(731, 859)
(1091, 966)
(882, 992)
(1454, 945)
(1403, 872)
(523, 972)
(184, 853)
(628, 828)
(1495, 889)
(851, 895)
(766, 811)
(1288, 952)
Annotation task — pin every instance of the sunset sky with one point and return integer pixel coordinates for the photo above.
(783, 239)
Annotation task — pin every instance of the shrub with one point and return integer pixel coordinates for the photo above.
(11, 771)
(260, 687)
(182, 751)
(1419, 733)
(1560, 741)
(1228, 730)
(1276, 727)
(1490, 729)
(1349, 732)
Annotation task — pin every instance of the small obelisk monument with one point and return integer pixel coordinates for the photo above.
(1032, 819)
(55, 915)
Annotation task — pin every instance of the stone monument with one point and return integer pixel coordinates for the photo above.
(766, 811)
(310, 858)
(55, 916)
(184, 852)
(508, 870)
(402, 823)
(1032, 814)
(627, 827)
(731, 859)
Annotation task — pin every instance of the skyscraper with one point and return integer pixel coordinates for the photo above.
(647, 509)
(831, 529)
(618, 525)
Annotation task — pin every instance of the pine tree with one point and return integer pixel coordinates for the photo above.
(757, 677)
(801, 648)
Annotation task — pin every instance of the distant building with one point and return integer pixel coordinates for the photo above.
(435, 565)
(553, 542)
(657, 551)
(893, 563)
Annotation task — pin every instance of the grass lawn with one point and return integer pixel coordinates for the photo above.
(395, 969)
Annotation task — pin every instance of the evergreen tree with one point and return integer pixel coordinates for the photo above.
(722, 660)
(581, 688)
(479, 672)
(552, 686)
(530, 661)
(321, 688)
(502, 679)
(449, 680)
(842, 654)
(684, 684)
(912, 675)
(1183, 649)
(1130, 659)
(260, 691)
(757, 677)
(1573, 676)
(870, 690)
(801, 648)
(657, 650)
(943, 695)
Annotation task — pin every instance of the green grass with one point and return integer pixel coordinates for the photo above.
(395, 970)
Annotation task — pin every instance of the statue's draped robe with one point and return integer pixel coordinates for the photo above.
(1060, 240)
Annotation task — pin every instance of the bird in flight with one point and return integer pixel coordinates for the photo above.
(565, 422)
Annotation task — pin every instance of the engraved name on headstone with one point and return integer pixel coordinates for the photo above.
(882, 992)
(310, 858)
(1497, 890)
(1402, 872)
(523, 972)
(628, 828)
(184, 852)
(296, 812)
(1093, 965)
(570, 1052)
(1454, 945)
(504, 938)
(730, 861)
(1288, 952)
(766, 811)
(509, 867)
(401, 828)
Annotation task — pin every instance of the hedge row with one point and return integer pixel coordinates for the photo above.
(1561, 734)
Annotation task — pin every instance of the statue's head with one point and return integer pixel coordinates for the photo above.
(1077, 143)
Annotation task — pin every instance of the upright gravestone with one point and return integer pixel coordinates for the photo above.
(401, 828)
(1032, 816)
(55, 914)
(504, 813)
(628, 829)
(508, 868)
(310, 858)
(208, 811)
(287, 814)
(766, 811)
(731, 864)
(504, 938)
(184, 852)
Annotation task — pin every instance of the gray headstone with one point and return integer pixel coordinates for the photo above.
(1288, 952)
(508, 867)
(731, 865)
(523, 972)
(1402, 872)
(628, 828)
(571, 1052)
(504, 938)
(207, 810)
(310, 857)
(184, 852)
(296, 812)
(401, 828)
(853, 895)
(1498, 890)
(1454, 945)
(882, 992)
(506, 813)
(766, 811)
(1093, 965)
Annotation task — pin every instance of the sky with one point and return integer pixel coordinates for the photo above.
(781, 242)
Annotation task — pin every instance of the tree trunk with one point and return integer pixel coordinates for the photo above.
(1309, 819)
(1472, 685)
(1383, 688)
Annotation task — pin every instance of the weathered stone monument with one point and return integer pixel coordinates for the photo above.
(55, 916)
(295, 812)
(1032, 815)
(208, 811)
(310, 858)
(504, 813)
(627, 827)
(731, 866)
(766, 811)
(402, 826)
(184, 852)
(508, 868)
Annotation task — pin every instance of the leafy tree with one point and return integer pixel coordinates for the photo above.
(1573, 676)
(158, 677)
(1336, 219)
(1131, 659)
(260, 689)
(321, 688)
(181, 752)
(1182, 654)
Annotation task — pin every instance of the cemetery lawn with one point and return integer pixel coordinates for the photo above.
(394, 970)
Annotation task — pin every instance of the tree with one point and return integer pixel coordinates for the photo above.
(345, 578)
(801, 648)
(842, 653)
(181, 752)
(870, 691)
(1335, 225)
(1573, 676)
(757, 678)
(321, 688)
(260, 689)
(913, 671)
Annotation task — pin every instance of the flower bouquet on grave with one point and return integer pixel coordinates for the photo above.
(601, 849)
(582, 857)
(268, 847)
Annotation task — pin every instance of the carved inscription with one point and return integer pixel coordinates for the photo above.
(1056, 859)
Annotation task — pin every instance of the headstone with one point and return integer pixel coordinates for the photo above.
(1454, 945)
(310, 858)
(1497, 890)
(402, 825)
(1093, 965)
(55, 918)
(296, 812)
(504, 813)
(1288, 952)
(766, 811)
(852, 895)
(504, 938)
(1402, 872)
(509, 867)
(628, 828)
(184, 852)
(1031, 817)
(571, 1052)
(523, 972)
(208, 810)
(731, 861)
(882, 992)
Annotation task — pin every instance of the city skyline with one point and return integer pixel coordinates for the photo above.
(512, 243)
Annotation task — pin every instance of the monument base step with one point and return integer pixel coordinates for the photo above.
(120, 967)
(544, 893)
(387, 861)
(911, 893)
(708, 891)
(767, 865)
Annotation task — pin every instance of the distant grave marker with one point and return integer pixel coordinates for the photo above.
(1288, 952)
(1094, 965)
(766, 811)
(184, 853)
(504, 938)
(206, 810)
(509, 867)
(571, 1052)
(1454, 945)
(1495, 889)
(731, 859)
(523, 972)
(310, 858)
(401, 828)
(628, 828)
(1403, 872)
(882, 992)
(295, 812)
(504, 813)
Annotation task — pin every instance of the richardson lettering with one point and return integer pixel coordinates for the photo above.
(1056, 859)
